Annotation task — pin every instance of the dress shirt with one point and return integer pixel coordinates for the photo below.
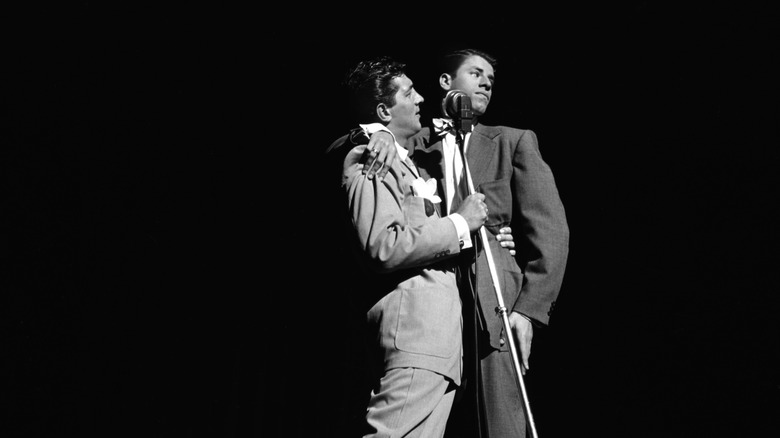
(453, 163)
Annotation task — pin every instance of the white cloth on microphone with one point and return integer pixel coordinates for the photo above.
(461, 226)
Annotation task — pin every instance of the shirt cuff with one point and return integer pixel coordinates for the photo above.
(462, 227)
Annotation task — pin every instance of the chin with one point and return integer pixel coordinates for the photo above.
(479, 110)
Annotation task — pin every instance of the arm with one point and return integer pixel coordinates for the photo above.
(382, 152)
(392, 228)
(543, 241)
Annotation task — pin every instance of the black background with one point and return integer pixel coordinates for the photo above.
(163, 272)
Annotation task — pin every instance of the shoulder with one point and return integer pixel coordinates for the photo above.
(352, 164)
(341, 149)
(505, 133)
(354, 156)
(347, 141)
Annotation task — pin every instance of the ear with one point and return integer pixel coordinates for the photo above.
(383, 112)
(445, 81)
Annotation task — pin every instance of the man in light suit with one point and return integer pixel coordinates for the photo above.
(506, 165)
(409, 249)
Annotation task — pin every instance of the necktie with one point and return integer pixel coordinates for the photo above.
(460, 184)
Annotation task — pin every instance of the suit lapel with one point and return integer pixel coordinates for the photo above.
(408, 163)
(427, 156)
(480, 154)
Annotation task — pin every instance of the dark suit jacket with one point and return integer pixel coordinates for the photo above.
(507, 167)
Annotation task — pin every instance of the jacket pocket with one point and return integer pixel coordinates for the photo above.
(429, 318)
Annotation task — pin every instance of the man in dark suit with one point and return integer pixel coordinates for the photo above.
(506, 165)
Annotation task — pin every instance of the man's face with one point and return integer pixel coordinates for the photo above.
(475, 77)
(406, 111)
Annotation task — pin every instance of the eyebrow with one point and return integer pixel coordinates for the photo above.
(482, 71)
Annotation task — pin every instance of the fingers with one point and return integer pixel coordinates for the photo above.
(379, 162)
(484, 208)
(382, 158)
(524, 345)
(382, 171)
(370, 170)
(377, 167)
(508, 244)
(391, 153)
(526, 353)
(479, 198)
(523, 331)
(380, 155)
(506, 240)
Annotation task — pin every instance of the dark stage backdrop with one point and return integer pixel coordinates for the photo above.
(163, 268)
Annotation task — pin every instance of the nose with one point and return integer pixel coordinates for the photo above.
(420, 99)
(485, 82)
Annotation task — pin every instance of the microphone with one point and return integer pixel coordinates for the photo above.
(457, 106)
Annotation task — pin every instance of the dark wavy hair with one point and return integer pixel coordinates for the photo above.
(370, 83)
(451, 61)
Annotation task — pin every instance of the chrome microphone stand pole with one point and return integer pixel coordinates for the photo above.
(463, 111)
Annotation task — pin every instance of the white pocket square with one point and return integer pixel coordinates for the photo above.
(425, 189)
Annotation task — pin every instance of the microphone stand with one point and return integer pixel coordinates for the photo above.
(464, 114)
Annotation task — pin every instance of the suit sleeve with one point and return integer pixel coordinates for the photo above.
(541, 230)
(393, 229)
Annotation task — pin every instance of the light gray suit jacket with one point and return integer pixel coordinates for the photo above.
(409, 250)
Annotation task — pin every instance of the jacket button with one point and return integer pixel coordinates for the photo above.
(501, 341)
